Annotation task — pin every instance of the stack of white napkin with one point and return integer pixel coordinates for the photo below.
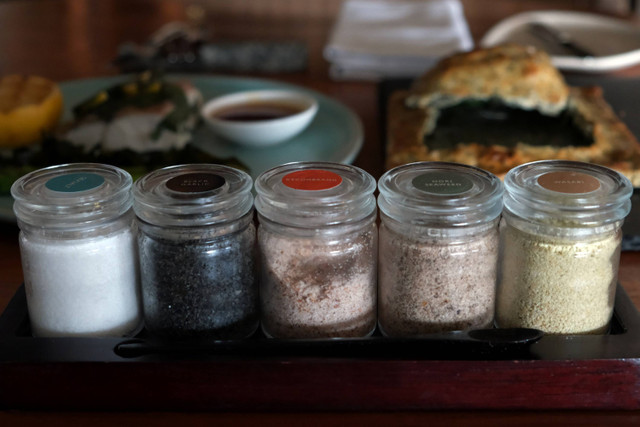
(377, 39)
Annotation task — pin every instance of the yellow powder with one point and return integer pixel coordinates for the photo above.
(555, 285)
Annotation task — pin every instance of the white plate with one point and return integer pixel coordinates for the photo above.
(334, 135)
(615, 43)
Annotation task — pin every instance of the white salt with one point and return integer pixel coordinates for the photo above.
(82, 287)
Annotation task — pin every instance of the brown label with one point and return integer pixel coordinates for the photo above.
(195, 182)
(569, 182)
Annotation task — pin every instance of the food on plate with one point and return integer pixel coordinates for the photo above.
(500, 107)
(30, 106)
(520, 77)
(142, 124)
(147, 114)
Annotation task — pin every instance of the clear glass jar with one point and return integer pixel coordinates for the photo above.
(78, 249)
(196, 244)
(318, 248)
(438, 248)
(561, 246)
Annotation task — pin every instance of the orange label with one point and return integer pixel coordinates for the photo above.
(312, 179)
(569, 182)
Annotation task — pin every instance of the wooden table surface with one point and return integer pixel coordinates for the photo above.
(73, 39)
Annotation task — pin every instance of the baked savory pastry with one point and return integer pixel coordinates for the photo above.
(499, 107)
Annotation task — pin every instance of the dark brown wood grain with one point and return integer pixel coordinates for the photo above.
(326, 385)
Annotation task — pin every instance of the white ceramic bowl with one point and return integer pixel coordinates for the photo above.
(259, 132)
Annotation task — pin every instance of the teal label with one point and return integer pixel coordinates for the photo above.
(444, 183)
(75, 182)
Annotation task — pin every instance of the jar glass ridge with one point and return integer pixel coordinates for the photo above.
(318, 249)
(561, 236)
(197, 260)
(438, 248)
(78, 250)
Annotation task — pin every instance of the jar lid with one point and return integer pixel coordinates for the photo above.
(440, 194)
(192, 195)
(72, 196)
(567, 193)
(315, 194)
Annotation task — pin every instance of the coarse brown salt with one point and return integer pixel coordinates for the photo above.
(431, 285)
(438, 248)
(319, 288)
(318, 251)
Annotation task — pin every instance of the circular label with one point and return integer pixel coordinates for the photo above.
(75, 182)
(569, 182)
(312, 179)
(443, 183)
(195, 182)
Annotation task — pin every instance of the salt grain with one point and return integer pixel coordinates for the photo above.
(86, 287)
(432, 285)
(318, 249)
(319, 288)
(199, 288)
(438, 248)
(78, 249)
(561, 246)
(197, 242)
(558, 286)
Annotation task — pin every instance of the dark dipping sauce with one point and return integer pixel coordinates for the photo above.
(257, 111)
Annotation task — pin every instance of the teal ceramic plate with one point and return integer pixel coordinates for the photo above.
(334, 135)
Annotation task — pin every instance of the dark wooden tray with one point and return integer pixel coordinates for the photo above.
(443, 371)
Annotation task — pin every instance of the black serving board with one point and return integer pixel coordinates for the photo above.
(435, 371)
(620, 94)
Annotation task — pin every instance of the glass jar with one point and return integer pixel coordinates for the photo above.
(77, 243)
(196, 244)
(318, 247)
(561, 237)
(438, 248)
